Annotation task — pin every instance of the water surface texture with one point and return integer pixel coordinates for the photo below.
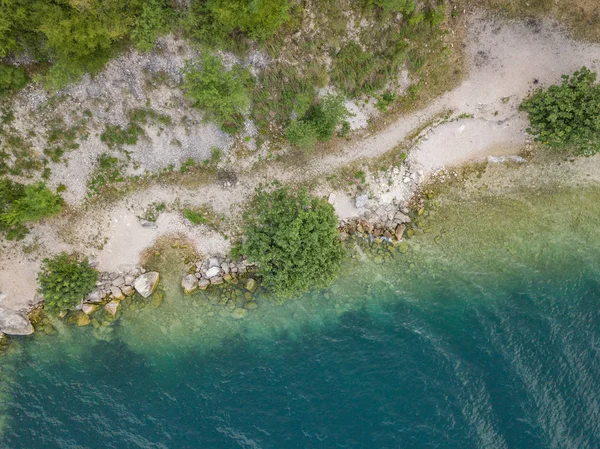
(485, 334)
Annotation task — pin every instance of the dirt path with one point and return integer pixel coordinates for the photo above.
(506, 61)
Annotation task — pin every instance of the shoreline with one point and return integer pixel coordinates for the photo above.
(494, 128)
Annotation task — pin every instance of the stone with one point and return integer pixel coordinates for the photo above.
(203, 284)
(146, 283)
(216, 280)
(198, 275)
(502, 159)
(251, 285)
(239, 313)
(112, 307)
(189, 284)
(387, 234)
(117, 293)
(213, 271)
(214, 262)
(129, 279)
(94, 297)
(118, 282)
(361, 200)
(402, 218)
(14, 323)
(331, 199)
(400, 231)
(89, 308)
(225, 267)
(83, 320)
(128, 290)
(251, 305)
(148, 224)
(113, 276)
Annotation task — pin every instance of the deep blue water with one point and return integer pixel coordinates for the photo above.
(503, 355)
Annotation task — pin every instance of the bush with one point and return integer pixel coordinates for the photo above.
(11, 78)
(302, 135)
(114, 136)
(214, 21)
(393, 6)
(153, 20)
(21, 204)
(327, 115)
(294, 241)
(223, 94)
(65, 280)
(566, 117)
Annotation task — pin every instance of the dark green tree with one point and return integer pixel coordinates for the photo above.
(65, 280)
(293, 238)
(566, 117)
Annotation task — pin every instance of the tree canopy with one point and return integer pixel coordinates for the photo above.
(293, 238)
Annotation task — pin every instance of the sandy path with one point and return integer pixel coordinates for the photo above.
(505, 59)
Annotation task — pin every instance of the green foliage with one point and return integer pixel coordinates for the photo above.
(114, 135)
(393, 6)
(215, 21)
(11, 78)
(108, 170)
(223, 94)
(194, 217)
(65, 280)
(153, 20)
(327, 115)
(566, 117)
(21, 204)
(302, 134)
(294, 241)
(385, 100)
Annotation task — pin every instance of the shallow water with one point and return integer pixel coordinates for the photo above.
(485, 334)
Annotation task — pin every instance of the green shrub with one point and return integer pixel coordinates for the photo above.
(566, 117)
(223, 94)
(194, 217)
(215, 21)
(21, 204)
(294, 241)
(11, 78)
(153, 20)
(302, 135)
(65, 280)
(327, 115)
(393, 6)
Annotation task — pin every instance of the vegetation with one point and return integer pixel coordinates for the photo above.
(319, 123)
(114, 135)
(566, 117)
(194, 217)
(11, 78)
(294, 241)
(65, 280)
(223, 94)
(20, 204)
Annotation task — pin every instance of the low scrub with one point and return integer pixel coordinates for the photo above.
(65, 280)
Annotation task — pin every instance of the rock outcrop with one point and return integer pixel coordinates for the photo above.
(146, 283)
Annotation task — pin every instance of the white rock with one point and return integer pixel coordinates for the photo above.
(213, 271)
(146, 283)
(189, 284)
(14, 323)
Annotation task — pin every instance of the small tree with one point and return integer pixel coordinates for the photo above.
(294, 241)
(223, 94)
(566, 117)
(65, 280)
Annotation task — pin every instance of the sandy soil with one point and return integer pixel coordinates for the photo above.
(506, 61)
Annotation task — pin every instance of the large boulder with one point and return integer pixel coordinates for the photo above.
(146, 283)
(14, 323)
(112, 307)
(189, 284)
(213, 271)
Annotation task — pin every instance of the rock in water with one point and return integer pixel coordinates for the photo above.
(400, 231)
(251, 285)
(146, 283)
(83, 320)
(239, 313)
(203, 284)
(128, 290)
(89, 308)
(117, 293)
(112, 307)
(14, 323)
(189, 284)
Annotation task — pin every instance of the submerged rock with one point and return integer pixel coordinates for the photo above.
(83, 320)
(239, 313)
(14, 323)
(89, 308)
(203, 284)
(251, 285)
(128, 290)
(117, 293)
(146, 283)
(189, 284)
(112, 307)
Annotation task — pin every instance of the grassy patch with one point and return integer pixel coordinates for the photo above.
(115, 136)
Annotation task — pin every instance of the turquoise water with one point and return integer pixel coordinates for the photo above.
(485, 334)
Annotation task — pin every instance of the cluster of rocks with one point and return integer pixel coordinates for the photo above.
(112, 288)
(384, 221)
(215, 271)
